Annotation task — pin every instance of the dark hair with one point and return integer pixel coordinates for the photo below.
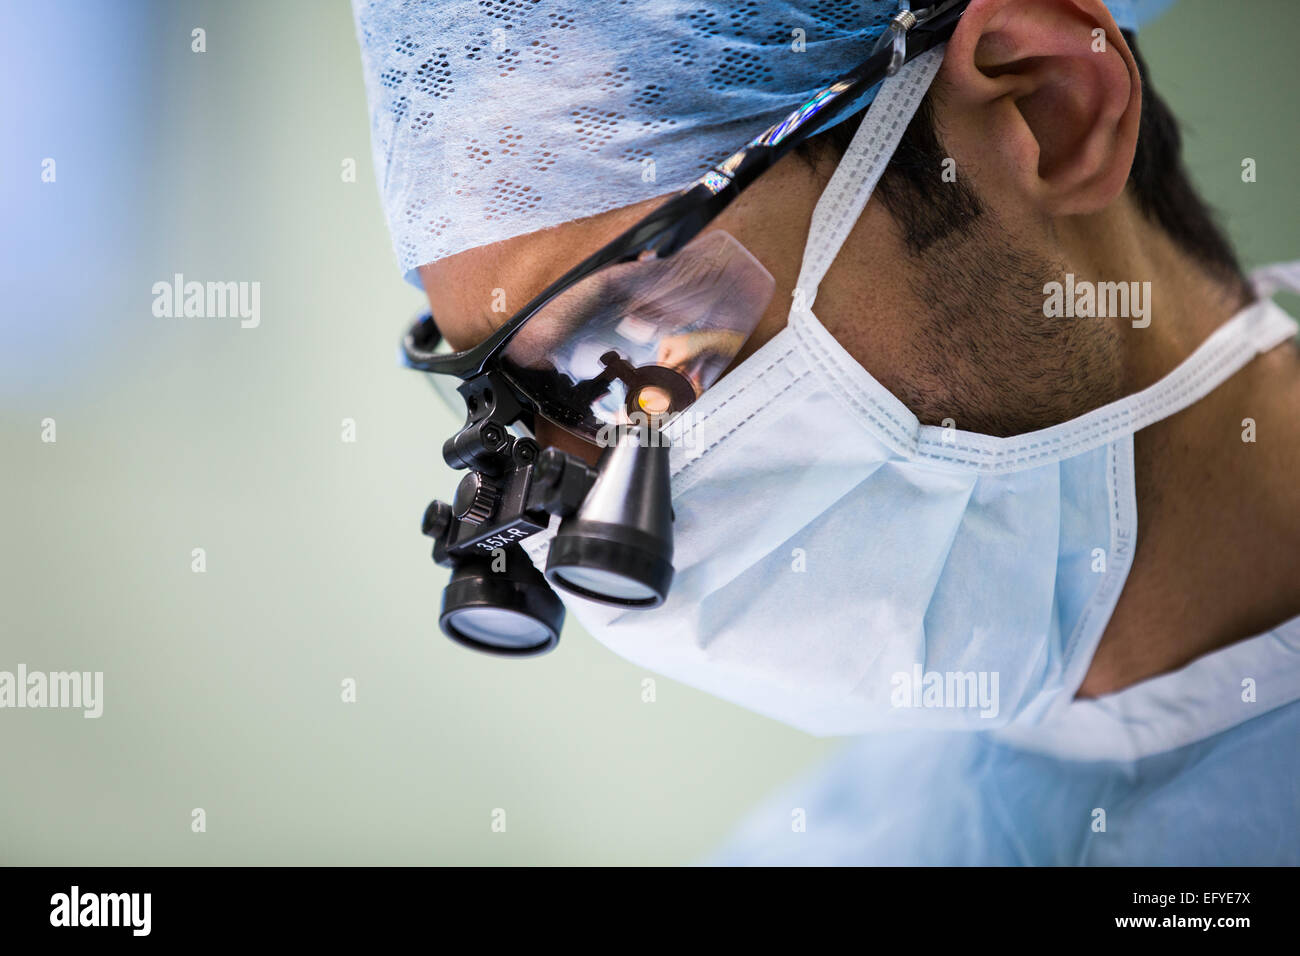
(928, 209)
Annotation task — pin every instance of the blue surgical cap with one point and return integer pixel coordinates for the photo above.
(495, 118)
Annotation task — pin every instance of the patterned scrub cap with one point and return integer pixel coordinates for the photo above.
(496, 118)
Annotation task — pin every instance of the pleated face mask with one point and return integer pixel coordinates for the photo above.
(842, 568)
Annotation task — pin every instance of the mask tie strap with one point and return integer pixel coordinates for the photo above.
(1278, 277)
(855, 178)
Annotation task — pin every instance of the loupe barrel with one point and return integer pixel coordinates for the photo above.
(618, 548)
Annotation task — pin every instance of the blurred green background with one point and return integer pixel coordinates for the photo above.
(222, 689)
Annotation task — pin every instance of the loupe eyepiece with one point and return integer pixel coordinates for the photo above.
(501, 605)
(618, 548)
(614, 543)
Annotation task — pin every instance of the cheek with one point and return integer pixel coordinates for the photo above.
(867, 300)
(773, 321)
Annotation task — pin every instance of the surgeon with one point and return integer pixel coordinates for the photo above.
(992, 460)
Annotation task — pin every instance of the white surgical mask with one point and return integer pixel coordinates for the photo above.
(842, 568)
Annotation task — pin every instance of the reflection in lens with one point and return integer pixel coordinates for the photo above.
(606, 583)
(689, 314)
(498, 627)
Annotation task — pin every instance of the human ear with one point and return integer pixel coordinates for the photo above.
(1044, 96)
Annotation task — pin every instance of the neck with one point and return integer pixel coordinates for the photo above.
(1218, 515)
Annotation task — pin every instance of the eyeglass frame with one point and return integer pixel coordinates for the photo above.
(684, 216)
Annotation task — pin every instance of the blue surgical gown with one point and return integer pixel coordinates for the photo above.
(1197, 767)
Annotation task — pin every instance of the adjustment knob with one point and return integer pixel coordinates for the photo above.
(476, 498)
(437, 519)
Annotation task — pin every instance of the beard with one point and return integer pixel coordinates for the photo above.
(985, 354)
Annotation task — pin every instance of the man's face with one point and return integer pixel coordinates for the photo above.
(950, 320)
